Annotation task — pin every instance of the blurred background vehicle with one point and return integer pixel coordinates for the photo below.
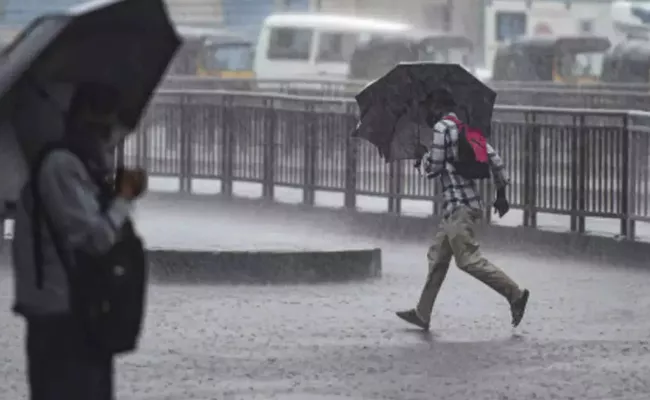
(213, 52)
(307, 46)
(374, 58)
(564, 59)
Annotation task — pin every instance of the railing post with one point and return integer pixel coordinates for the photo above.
(575, 166)
(528, 155)
(142, 143)
(211, 137)
(628, 187)
(395, 187)
(186, 139)
(351, 165)
(531, 153)
(227, 145)
(309, 157)
(4, 217)
(579, 144)
(585, 137)
(141, 138)
(270, 133)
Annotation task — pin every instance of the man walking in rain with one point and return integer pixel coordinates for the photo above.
(463, 210)
(61, 362)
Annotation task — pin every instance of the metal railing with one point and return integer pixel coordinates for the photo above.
(573, 162)
(621, 97)
(608, 86)
(187, 81)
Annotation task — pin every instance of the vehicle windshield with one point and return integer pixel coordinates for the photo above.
(581, 65)
(453, 55)
(228, 57)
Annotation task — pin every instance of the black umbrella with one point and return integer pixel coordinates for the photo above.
(392, 108)
(124, 43)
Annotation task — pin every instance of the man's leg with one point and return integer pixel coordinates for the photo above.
(61, 365)
(460, 232)
(439, 257)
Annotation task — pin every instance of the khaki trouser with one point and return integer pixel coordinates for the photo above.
(456, 238)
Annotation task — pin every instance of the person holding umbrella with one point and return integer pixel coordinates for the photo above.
(73, 85)
(418, 103)
(71, 183)
(463, 209)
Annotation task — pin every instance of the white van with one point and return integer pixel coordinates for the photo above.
(314, 46)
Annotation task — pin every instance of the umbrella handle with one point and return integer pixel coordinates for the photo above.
(417, 164)
(466, 114)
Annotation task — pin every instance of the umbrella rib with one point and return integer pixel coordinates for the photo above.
(43, 93)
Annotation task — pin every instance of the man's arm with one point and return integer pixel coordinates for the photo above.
(68, 196)
(499, 174)
(434, 160)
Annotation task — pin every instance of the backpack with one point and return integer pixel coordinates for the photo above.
(107, 292)
(473, 161)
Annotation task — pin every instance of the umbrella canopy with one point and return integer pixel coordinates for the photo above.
(124, 43)
(393, 109)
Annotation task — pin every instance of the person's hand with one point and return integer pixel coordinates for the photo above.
(501, 206)
(420, 152)
(423, 165)
(132, 183)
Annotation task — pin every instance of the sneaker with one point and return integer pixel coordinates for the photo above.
(412, 317)
(518, 307)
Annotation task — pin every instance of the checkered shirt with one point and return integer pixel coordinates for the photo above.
(457, 190)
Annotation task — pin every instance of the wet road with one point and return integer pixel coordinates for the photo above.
(585, 335)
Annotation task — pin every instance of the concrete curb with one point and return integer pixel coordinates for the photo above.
(529, 241)
(261, 267)
(264, 267)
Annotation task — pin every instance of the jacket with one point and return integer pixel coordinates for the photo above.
(70, 196)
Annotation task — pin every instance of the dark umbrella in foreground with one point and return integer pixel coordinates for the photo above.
(124, 43)
(392, 108)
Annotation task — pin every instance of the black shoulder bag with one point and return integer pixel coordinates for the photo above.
(107, 291)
